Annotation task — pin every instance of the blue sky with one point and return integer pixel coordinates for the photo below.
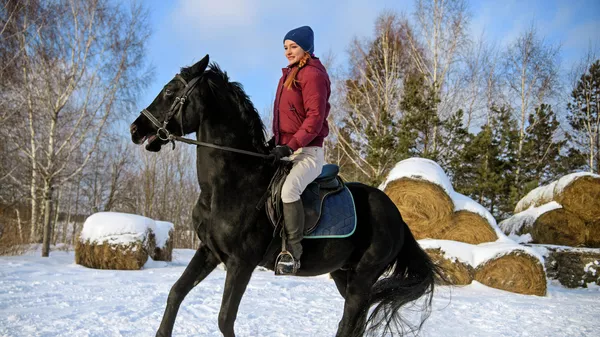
(245, 36)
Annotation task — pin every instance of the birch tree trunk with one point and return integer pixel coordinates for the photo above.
(531, 71)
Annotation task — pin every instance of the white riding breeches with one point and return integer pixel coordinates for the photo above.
(308, 163)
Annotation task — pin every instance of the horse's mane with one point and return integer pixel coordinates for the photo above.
(222, 89)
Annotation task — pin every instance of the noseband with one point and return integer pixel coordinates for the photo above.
(177, 109)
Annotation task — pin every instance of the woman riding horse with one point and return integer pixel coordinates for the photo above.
(299, 127)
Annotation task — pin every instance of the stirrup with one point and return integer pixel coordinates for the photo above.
(285, 264)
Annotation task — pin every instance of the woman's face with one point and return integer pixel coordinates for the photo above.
(293, 52)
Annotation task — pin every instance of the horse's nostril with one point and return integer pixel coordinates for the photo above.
(133, 128)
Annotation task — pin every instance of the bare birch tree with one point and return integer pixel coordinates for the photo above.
(531, 73)
(80, 64)
(435, 44)
(480, 86)
(363, 124)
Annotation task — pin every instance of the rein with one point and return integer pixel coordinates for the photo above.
(176, 109)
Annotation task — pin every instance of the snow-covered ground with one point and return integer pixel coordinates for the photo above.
(55, 297)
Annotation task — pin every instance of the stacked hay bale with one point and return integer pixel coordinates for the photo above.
(421, 189)
(462, 229)
(432, 209)
(112, 240)
(564, 212)
(502, 265)
(471, 222)
(164, 241)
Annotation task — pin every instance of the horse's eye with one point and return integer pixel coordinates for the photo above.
(168, 92)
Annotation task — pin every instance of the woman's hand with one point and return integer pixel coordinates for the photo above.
(280, 152)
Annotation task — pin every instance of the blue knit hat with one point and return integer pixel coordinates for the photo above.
(304, 37)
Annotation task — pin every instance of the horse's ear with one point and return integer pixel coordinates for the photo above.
(200, 66)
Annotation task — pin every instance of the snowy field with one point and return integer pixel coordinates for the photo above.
(56, 297)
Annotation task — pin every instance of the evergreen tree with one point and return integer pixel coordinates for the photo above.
(455, 136)
(420, 120)
(488, 163)
(541, 151)
(584, 119)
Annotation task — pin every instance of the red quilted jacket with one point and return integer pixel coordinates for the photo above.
(300, 114)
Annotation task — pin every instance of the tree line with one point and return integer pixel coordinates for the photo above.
(500, 121)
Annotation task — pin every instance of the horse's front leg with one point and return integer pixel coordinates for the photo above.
(238, 276)
(202, 264)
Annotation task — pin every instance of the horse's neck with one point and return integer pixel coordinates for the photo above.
(227, 174)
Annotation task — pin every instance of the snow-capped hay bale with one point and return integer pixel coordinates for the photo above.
(593, 234)
(502, 264)
(522, 223)
(454, 271)
(574, 267)
(424, 206)
(164, 241)
(112, 240)
(577, 192)
(517, 272)
(469, 227)
(421, 190)
(548, 224)
(581, 196)
(422, 169)
(559, 227)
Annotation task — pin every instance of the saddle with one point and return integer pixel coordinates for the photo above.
(313, 198)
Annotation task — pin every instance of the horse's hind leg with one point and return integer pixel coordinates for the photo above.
(340, 277)
(355, 306)
(238, 276)
(358, 291)
(202, 264)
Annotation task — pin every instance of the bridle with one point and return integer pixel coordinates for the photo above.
(177, 109)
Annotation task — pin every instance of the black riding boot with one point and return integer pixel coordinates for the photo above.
(293, 216)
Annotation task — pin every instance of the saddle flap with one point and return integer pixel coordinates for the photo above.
(313, 198)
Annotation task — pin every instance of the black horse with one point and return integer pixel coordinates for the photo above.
(380, 265)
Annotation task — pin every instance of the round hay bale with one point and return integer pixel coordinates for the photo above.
(559, 227)
(131, 256)
(574, 267)
(469, 227)
(517, 272)
(112, 240)
(593, 234)
(454, 272)
(582, 197)
(425, 206)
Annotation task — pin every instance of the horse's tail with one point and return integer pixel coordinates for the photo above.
(409, 277)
